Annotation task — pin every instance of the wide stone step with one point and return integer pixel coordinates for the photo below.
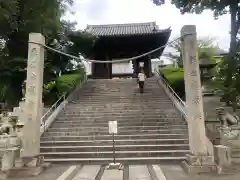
(118, 154)
(96, 132)
(109, 142)
(121, 119)
(121, 123)
(96, 103)
(125, 116)
(157, 108)
(121, 109)
(125, 160)
(126, 100)
(120, 112)
(97, 148)
(130, 102)
(104, 122)
(157, 105)
(129, 129)
(138, 112)
(121, 116)
(151, 125)
(63, 136)
(125, 93)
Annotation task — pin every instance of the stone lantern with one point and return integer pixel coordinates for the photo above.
(206, 65)
(10, 143)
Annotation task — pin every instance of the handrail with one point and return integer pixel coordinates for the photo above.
(51, 109)
(174, 95)
(182, 107)
(171, 89)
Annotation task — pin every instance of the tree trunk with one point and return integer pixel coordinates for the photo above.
(233, 46)
(234, 30)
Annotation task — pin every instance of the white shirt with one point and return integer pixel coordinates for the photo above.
(141, 77)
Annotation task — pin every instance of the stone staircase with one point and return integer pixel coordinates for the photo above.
(150, 129)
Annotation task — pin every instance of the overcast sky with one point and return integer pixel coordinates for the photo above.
(134, 11)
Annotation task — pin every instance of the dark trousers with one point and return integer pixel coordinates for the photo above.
(141, 85)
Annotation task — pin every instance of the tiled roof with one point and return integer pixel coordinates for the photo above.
(125, 29)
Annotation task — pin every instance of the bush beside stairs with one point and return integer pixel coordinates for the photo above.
(150, 129)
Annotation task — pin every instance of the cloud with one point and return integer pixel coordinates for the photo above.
(129, 11)
(95, 9)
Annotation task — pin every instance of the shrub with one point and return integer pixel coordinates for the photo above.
(53, 90)
(175, 78)
(49, 93)
(67, 82)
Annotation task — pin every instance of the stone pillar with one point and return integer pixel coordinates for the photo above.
(146, 66)
(150, 67)
(134, 67)
(33, 103)
(198, 157)
(108, 68)
(222, 156)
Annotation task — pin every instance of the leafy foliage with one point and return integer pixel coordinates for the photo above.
(175, 78)
(219, 7)
(229, 89)
(206, 50)
(18, 18)
(53, 90)
(230, 67)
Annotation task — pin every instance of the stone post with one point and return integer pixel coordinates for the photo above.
(222, 156)
(30, 163)
(198, 157)
(33, 102)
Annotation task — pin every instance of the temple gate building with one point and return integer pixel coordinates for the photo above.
(117, 41)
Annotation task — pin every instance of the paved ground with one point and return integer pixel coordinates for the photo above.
(176, 173)
(132, 172)
(52, 173)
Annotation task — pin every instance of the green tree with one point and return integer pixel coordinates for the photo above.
(230, 91)
(206, 50)
(18, 18)
(219, 7)
(82, 43)
(228, 71)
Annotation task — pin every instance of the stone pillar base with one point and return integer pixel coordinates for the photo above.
(198, 164)
(222, 158)
(26, 167)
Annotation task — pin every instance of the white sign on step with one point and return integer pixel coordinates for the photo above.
(112, 127)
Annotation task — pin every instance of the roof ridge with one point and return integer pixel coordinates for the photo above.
(124, 24)
(125, 29)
